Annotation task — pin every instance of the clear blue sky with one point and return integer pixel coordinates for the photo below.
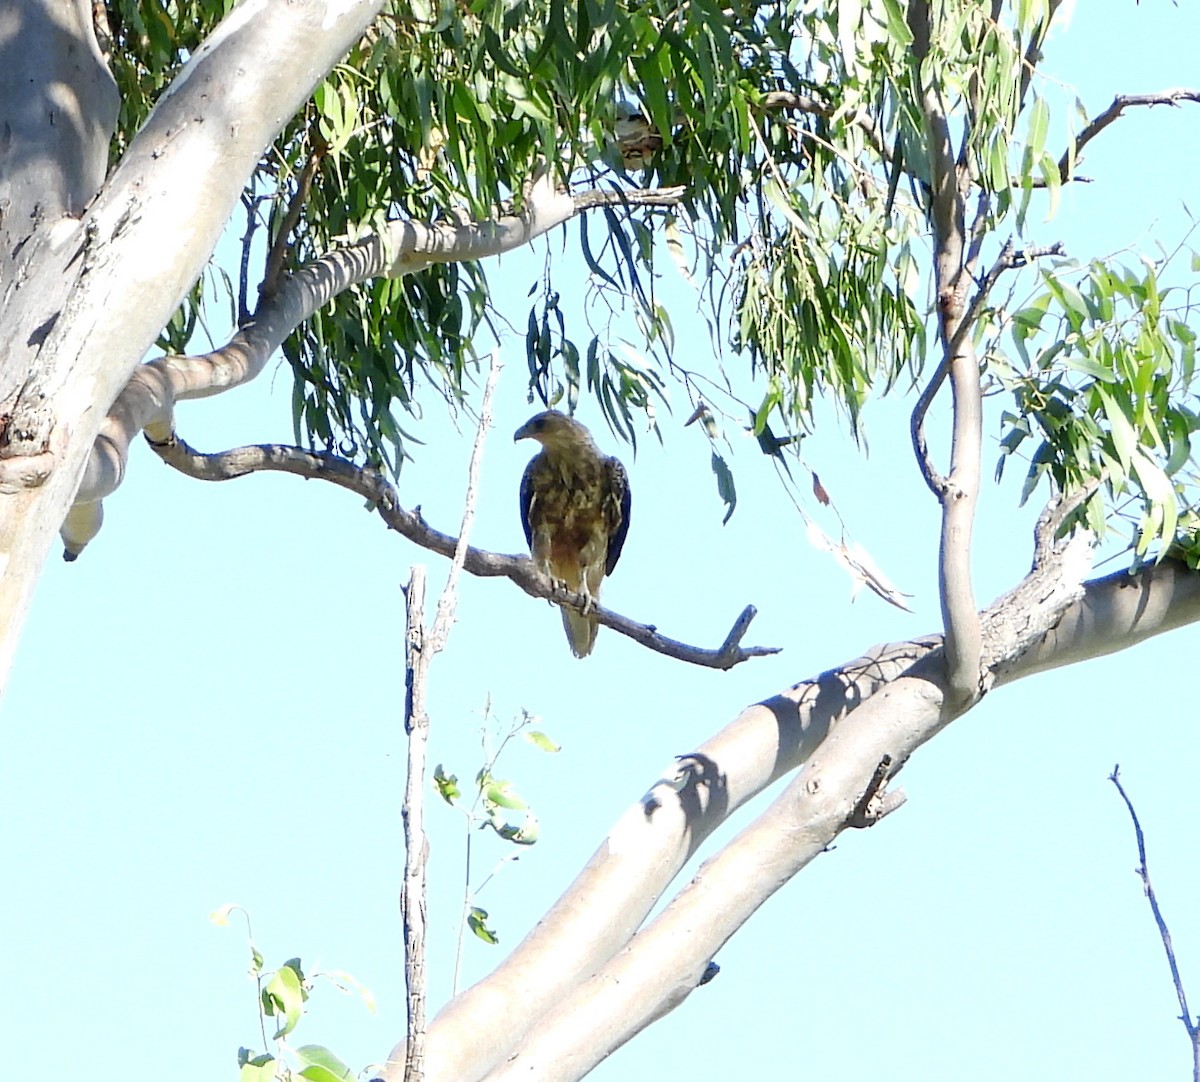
(206, 709)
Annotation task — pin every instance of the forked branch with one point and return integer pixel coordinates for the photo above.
(1071, 157)
(1010, 258)
(591, 973)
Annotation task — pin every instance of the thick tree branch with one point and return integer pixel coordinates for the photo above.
(584, 978)
(1071, 157)
(58, 110)
(1113, 613)
(372, 486)
(148, 401)
(664, 962)
(595, 920)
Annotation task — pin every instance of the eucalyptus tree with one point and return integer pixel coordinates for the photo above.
(849, 183)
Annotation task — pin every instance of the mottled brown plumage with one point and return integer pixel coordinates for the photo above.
(575, 510)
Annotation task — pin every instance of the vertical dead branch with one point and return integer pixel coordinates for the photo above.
(1191, 1024)
(416, 845)
(422, 645)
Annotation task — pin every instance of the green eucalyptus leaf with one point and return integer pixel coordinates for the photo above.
(320, 1065)
(283, 998)
(477, 921)
(502, 794)
(446, 785)
(540, 740)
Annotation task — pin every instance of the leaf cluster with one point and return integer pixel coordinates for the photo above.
(282, 995)
(801, 132)
(1103, 385)
(493, 802)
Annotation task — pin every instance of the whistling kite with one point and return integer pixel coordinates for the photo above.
(575, 510)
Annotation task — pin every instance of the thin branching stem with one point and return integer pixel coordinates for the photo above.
(449, 598)
(1191, 1024)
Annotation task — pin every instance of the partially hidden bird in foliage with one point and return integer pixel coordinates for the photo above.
(575, 510)
(637, 138)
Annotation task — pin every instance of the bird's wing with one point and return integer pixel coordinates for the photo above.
(527, 497)
(616, 499)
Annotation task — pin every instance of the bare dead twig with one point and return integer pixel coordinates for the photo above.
(1070, 158)
(448, 600)
(1191, 1024)
(372, 486)
(416, 844)
(979, 231)
(250, 203)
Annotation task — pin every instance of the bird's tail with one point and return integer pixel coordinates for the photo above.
(581, 631)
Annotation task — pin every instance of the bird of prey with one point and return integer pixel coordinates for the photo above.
(637, 138)
(575, 510)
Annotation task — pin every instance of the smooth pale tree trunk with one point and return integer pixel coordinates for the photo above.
(93, 267)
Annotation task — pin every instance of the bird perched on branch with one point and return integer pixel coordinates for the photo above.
(575, 510)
